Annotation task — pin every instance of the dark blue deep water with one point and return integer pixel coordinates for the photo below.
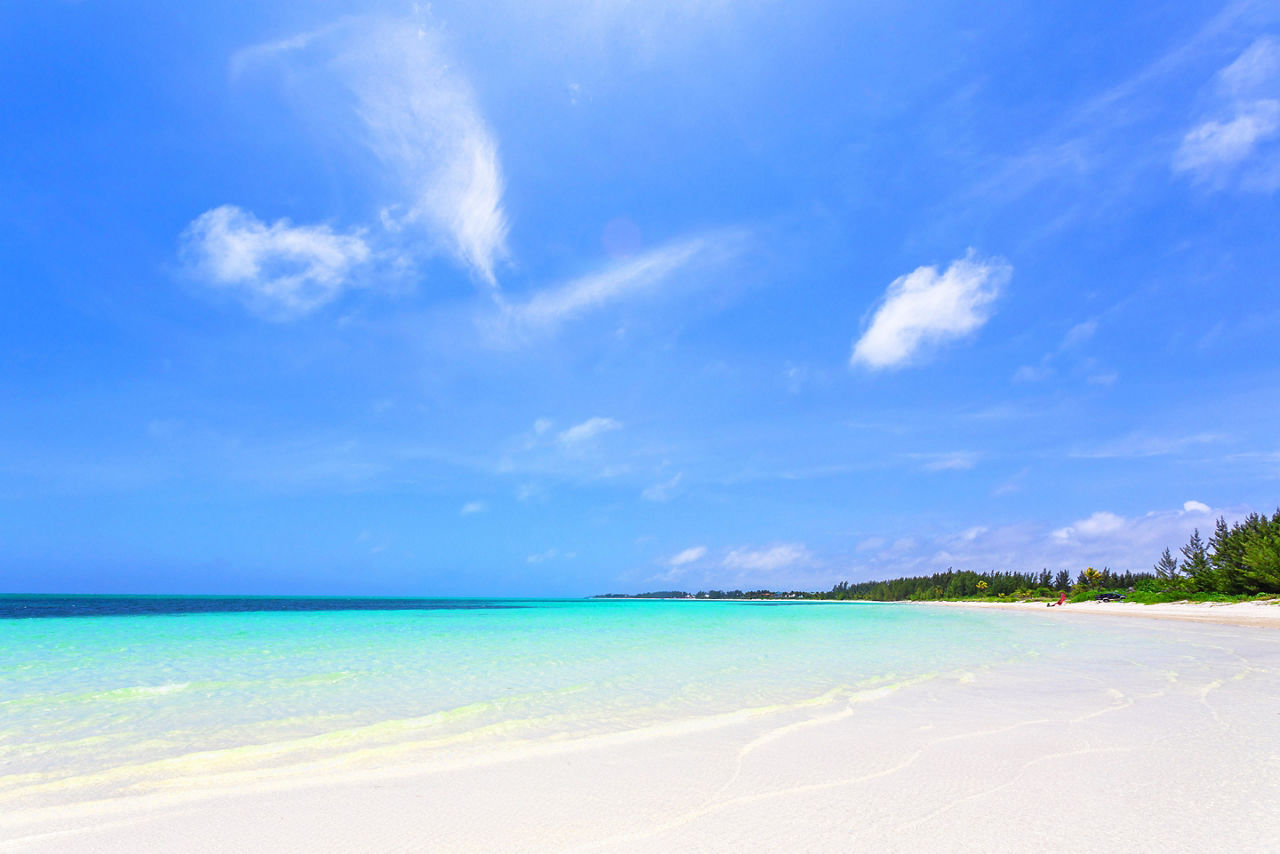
(34, 606)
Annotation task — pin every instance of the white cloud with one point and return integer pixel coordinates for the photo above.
(690, 555)
(1095, 525)
(1109, 539)
(1228, 145)
(926, 308)
(768, 559)
(390, 84)
(1151, 528)
(587, 430)
(542, 557)
(662, 491)
(1099, 523)
(280, 269)
(1216, 144)
(473, 507)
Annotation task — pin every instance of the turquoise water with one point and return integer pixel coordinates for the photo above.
(90, 695)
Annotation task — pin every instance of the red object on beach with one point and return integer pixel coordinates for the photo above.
(1062, 600)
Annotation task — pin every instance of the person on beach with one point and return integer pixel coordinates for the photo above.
(1062, 600)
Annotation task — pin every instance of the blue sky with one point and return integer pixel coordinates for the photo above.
(576, 297)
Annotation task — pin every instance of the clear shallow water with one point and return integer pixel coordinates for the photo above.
(278, 680)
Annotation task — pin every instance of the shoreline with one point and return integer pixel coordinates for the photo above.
(1253, 614)
(1258, 614)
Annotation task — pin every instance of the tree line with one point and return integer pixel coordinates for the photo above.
(959, 584)
(951, 584)
(710, 594)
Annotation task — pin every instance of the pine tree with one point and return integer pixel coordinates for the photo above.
(1167, 567)
(1260, 553)
(1226, 558)
(1196, 564)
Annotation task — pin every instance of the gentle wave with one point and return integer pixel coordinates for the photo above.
(410, 736)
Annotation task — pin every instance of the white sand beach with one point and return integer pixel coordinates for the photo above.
(1261, 613)
(1119, 750)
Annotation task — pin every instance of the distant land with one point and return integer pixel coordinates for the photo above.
(1237, 562)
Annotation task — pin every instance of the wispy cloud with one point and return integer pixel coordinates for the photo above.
(1103, 378)
(526, 492)
(1105, 142)
(781, 566)
(768, 559)
(1033, 373)
(1011, 485)
(925, 308)
(390, 84)
(472, 507)
(1079, 334)
(1142, 445)
(662, 490)
(644, 274)
(280, 270)
(587, 430)
(421, 119)
(248, 58)
(1255, 456)
(547, 456)
(1247, 108)
(689, 555)
(953, 461)
(1068, 349)
(626, 279)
